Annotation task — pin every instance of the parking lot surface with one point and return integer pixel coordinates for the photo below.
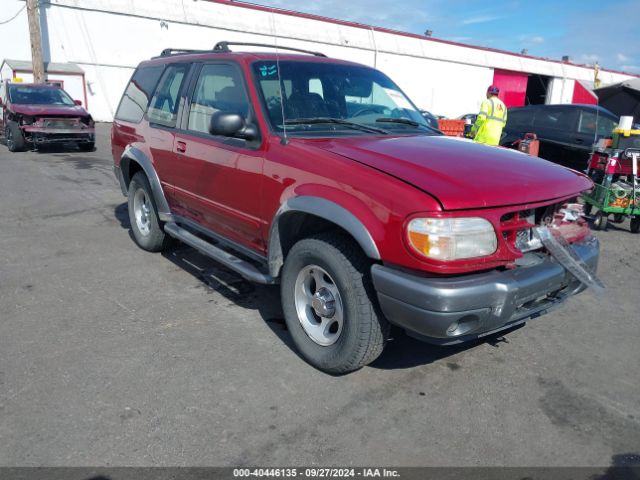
(110, 355)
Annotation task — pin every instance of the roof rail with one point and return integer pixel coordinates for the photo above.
(180, 51)
(224, 47)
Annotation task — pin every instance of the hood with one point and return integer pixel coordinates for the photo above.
(461, 174)
(44, 110)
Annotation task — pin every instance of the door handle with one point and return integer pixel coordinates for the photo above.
(181, 147)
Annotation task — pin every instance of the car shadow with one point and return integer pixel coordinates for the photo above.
(401, 352)
(60, 148)
(404, 351)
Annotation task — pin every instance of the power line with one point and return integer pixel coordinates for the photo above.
(15, 16)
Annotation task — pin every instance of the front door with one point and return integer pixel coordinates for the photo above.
(218, 180)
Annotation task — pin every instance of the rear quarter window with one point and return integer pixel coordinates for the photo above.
(136, 97)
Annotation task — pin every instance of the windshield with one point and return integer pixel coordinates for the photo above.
(22, 94)
(317, 95)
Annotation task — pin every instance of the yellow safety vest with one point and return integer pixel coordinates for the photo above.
(490, 122)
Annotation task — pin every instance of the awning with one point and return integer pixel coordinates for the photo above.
(622, 98)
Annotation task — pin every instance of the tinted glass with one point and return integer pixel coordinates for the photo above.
(136, 97)
(315, 90)
(589, 122)
(520, 119)
(23, 94)
(555, 118)
(219, 87)
(164, 104)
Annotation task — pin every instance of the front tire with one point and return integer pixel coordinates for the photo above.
(143, 216)
(330, 306)
(14, 137)
(635, 224)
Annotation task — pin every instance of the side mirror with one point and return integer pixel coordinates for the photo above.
(78, 102)
(229, 124)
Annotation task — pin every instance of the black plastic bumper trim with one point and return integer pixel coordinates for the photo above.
(484, 302)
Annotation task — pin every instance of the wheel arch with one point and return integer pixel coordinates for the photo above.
(134, 160)
(291, 223)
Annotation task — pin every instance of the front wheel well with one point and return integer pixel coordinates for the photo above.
(293, 227)
(129, 168)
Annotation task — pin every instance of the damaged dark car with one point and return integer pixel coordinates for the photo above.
(37, 115)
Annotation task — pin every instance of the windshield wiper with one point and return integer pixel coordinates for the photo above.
(404, 121)
(338, 121)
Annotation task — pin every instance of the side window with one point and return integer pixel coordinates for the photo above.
(520, 119)
(589, 121)
(164, 104)
(555, 118)
(219, 87)
(135, 99)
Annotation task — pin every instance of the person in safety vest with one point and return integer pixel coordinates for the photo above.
(491, 119)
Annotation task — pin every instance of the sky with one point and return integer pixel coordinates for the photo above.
(589, 31)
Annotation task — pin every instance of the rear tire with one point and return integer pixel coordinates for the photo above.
(330, 305)
(87, 147)
(600, 221)
(635, 224)
(14, 138)
(143, 216)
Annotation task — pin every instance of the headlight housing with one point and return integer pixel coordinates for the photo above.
(447, 239)
(27, 120)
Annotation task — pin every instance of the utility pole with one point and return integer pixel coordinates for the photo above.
(36, 41)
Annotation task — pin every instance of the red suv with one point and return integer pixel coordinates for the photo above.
(321, 175)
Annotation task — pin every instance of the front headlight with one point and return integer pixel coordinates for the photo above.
(452, 238)
(26, 120)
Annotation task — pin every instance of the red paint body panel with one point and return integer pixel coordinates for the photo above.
(219, 186)
(384, 181)
(462, 174)
(512, 85)
(582, 95)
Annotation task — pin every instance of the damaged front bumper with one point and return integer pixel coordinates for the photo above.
(47, 135)
(451, 310)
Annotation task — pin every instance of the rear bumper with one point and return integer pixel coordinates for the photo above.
(453, 310)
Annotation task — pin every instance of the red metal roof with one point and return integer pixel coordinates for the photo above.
(292, 13)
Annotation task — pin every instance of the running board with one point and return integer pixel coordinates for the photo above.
(242, 267)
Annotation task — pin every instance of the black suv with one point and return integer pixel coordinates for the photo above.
(566, 132)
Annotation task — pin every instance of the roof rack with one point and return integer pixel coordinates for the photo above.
(224, 47)
(180, 51)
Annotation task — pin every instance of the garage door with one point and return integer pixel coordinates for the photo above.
(512, 85)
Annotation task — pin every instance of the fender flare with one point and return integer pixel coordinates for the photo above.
(138, 156)
(327, 210)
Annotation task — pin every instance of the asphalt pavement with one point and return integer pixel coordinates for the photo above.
(110, 355)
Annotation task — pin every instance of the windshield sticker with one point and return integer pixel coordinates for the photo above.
(399, 99)
(268, 70)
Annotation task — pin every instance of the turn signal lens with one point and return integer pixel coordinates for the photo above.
(452, 238)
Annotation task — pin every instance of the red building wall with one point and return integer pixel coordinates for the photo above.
(583, 95)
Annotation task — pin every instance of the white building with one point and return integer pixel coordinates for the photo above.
(108, 38)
